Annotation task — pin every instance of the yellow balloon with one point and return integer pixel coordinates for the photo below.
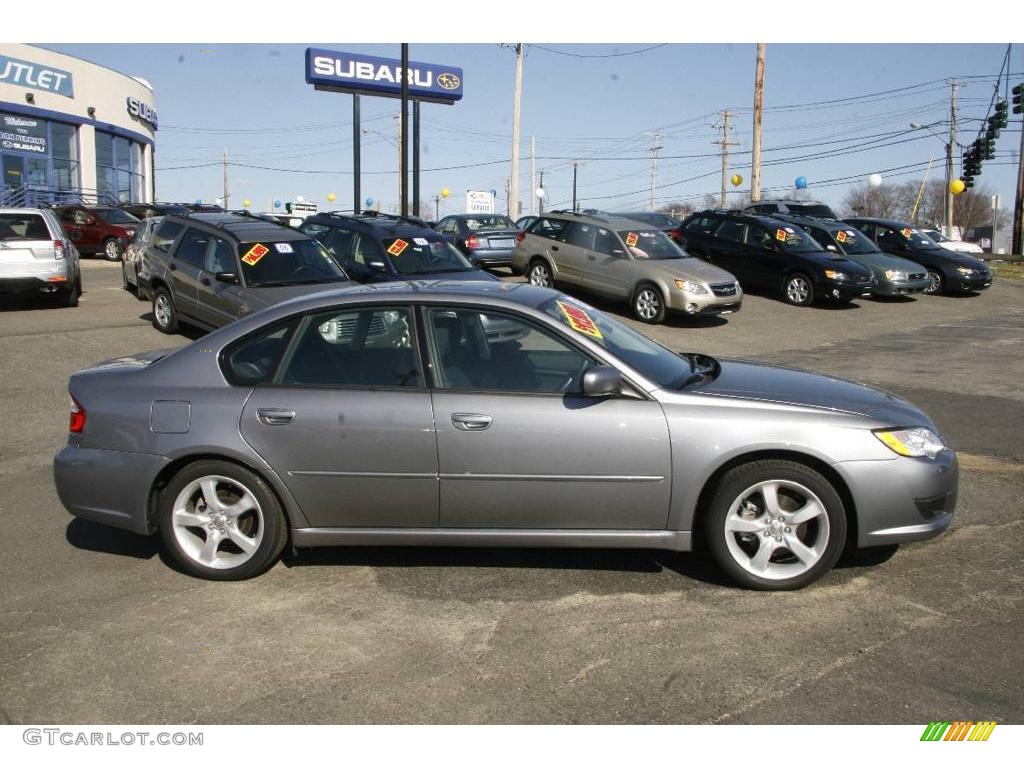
(246, 203)
(736, 179)
(956, 186)
(445, 192)
(331, 197)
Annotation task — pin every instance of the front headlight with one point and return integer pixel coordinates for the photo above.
(895, 274)
(915, 442)
(690, 287)
(965, 271)
(833, 274)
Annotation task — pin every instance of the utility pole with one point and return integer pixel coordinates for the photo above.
(724, 141)
(575, 164)
(654, 165)
(755, 159)
(437, 207)
(356, 155)
(517, 96)
(225, 179)
(540, 199)
(1018, 203)
(533, 175)
(953, 85)
(995, 222)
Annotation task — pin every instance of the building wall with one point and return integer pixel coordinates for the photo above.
(41, 92)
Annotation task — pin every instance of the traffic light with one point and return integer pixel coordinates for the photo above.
(968, 181)
(999, 119)
(990, 150)
(1018, 99)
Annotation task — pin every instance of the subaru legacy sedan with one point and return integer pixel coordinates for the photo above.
(384, 415)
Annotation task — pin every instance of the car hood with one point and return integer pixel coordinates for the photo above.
(687, 269)
(829, 260)
(960, 259)
(260, 298)
(791, 386)
(880, 262)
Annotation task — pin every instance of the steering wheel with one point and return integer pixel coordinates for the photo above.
(575, 378)
(300, 269)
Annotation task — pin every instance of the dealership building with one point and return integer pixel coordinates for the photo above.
(71, 130)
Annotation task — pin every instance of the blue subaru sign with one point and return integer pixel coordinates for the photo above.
(376, 76)
(31, 75)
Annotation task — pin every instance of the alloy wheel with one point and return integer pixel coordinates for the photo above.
(217, 522)
(540, 275)
(934, 282)
(647, 304)
(162, 310)
(798, 289)
(112, 250)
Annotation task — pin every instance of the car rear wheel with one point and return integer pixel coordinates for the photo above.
(799, 290)
(69, 296)
(540, 274)
(220, 521)
(165, 316)
(648, 304)
(112, 249)
(935, 282)
(775, 525)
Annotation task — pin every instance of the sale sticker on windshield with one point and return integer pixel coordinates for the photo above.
(841, 236)
(632, 239)
(253, 255)
(396, 248)
(906, 232)
(780, 234)
(580, 320)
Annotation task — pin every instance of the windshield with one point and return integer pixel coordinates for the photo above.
(662, 220)
(476, 223)
(296, 262)
(655, 362)
(651, 244)
(917, 239)
(854, 242)
(935, 235)
(115, 216)
(425, 256)
(793, 239)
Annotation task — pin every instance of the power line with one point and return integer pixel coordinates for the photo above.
(597, 55)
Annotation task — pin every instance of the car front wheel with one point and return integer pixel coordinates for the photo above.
(648, 304)
(798, 290)
(775, 525)
(220, 521)
(112, 249)
(935, 282)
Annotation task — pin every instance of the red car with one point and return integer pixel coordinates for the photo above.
(97, 229)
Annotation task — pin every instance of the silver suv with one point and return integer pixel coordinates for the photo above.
(36, 256)
(623, 259)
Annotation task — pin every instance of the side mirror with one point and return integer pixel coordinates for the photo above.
(378, 266)
(90, 220)
(602, 380)
(226, 277)
(618, 252)
(832, 248)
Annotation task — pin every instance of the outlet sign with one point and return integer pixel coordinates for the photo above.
(376, 76)
(28, 74)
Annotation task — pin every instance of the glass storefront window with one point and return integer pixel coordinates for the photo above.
(118, 167)
(63, 141)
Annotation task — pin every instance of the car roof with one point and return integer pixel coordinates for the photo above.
(761, 218)
(611, 220)
(391, 225)
(23, 210)
(887, 222)
(810, 221)
(244, 229)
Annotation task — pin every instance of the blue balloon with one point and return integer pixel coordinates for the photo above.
(801, 182)
(369, 202)
(277, 203)
(199, 201)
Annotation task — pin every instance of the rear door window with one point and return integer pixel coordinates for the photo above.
(733, 231)
(192, 249)
(704, 225)
(549, 228)
(579, 234)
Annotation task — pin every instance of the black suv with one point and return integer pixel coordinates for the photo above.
(376, 247)
(207, 269)
(796, 208)
(948, 270)
(775, 256)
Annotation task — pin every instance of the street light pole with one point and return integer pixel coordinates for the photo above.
(949, 157)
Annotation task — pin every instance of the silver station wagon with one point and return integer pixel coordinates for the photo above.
(623, 259)
(391, 415)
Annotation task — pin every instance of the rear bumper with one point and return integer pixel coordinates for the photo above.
(491, 257)
(32, 276)
(108, 487)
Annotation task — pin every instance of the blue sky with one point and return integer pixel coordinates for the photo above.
(579, 101)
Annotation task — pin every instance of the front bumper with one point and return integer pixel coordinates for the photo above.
(720, 301)
(976, 282)
(902, 288)
(108, 487)
(845, 290)
(902, 499)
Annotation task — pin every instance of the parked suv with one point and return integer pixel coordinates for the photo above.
(208, 269)
(948, 271)
(801, 208)
(100, 230)
(133, 263)
(37, 256)
(375, 248)
(775, 256)
(486, 239)
(893, 276)
(623, 259)
(147, 210)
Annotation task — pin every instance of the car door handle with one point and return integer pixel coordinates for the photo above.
(554, 247)
(591, 257)
(205, 281)
(471, 422)
(275, 417)
(173, 267)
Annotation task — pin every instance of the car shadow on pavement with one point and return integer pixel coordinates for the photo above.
(891, 299)
(188, 331)
(27, 302)
(94, 537)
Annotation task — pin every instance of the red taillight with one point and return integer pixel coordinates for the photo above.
(675, 233)
(519, 237)
(77, 422)
(472, 241)
(58, 249)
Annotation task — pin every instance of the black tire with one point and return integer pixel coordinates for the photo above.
(112, 250)
(69, 296)
(936, 282)
(269, 523)
(648, 303)
(164, 321)
(540, 274)
(735, 553)
(798, 290)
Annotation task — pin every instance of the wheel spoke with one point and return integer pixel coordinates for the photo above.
(240, 507)
(190, 520)
(759, 562)
(808, 511)
(736, 524)
(209, 551)
(209, 486)
(805, 554)
(247, 545)
(770, 494)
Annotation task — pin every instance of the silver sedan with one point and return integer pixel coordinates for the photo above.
(387, 415)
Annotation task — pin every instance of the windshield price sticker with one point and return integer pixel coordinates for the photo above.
(579, 320)
(283, 248)
(421, 241)
(841, 236)
(780, 234)
(254, 254)
(906, 232)
(396, 248)
(632, 239)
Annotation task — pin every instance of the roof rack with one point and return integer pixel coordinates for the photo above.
(371, 214)
(592, 213)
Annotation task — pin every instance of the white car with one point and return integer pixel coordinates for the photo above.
(950, 244)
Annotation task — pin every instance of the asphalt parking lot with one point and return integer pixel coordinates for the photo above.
(96, 628)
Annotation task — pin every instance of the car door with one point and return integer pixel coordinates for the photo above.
(368, 263)
(184, 270)
(346, 421)
(219, 302)
(608, 267)
(520, 448)
(727, 249)
(569, 251)
(766, 259)
(73, 220)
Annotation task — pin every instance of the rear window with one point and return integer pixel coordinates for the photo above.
(164, 235)
(818, 210)
(294, 262)
(550, 228)
(23, 226)
(477, 223)
(703, 224)
(115, 216)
